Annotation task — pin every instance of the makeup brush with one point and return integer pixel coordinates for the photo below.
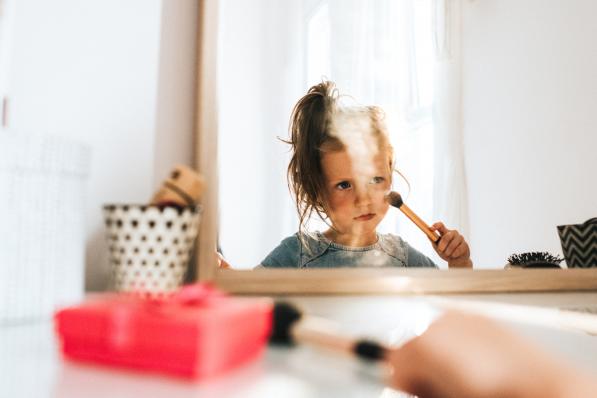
(290, 326)
(395, 200)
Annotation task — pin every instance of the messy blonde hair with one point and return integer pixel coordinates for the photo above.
(311, 135)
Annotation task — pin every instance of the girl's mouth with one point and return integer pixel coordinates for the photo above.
(365, 217)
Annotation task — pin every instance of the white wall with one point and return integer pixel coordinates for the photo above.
(530, 106)
(256, 57)
(116, 75)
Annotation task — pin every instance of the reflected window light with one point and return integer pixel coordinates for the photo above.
(318, 44)
(423, 55)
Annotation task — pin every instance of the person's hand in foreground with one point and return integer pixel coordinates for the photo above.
(464, 356)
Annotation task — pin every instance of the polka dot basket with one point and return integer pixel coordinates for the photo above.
(150, 246)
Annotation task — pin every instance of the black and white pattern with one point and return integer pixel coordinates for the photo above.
(579, 244)
(149, 246)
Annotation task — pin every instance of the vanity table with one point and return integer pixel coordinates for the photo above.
(31, 366)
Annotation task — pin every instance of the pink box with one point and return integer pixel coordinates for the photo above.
(198, 332)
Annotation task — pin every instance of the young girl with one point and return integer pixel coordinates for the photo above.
(341, 169)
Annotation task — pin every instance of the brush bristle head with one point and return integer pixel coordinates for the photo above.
(285, 315)
(394, 199)
(535, 260)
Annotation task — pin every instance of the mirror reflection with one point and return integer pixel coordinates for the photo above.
(332, 104)
(341, 172)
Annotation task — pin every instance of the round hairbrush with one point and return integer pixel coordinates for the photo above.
(535, 260)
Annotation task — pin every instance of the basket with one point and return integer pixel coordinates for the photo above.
(42, 232)
(150, 246)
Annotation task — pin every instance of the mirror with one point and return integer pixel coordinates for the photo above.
(488, 126)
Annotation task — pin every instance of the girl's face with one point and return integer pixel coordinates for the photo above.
(355, 192)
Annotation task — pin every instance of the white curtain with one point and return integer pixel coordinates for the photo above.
(450, 191)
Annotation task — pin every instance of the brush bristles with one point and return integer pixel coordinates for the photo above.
(285, 315)
(535, 260)
(394, 199)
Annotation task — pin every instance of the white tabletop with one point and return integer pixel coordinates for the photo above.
(31, 366)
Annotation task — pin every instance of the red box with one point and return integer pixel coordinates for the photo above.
(198, 332)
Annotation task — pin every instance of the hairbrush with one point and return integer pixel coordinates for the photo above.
(395, 200)
(535, 260)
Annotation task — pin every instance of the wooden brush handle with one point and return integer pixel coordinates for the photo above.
(419, 223)
(321, 333)
(325, 334)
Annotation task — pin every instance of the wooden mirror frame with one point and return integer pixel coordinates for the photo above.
(331, 281)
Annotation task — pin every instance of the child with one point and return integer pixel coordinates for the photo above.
(341, 169)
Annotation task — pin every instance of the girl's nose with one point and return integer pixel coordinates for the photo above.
(363, 196)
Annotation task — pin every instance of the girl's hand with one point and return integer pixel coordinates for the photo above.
(452, 247)
(222, 263)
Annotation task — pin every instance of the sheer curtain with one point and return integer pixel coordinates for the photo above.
(381, 52)
(450, 190)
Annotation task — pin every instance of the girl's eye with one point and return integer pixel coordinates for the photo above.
(343, 185)
(377, 180)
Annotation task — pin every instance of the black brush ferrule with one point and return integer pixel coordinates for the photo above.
(285, 315)
(369, 350)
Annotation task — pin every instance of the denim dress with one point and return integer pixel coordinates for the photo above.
(314, 250)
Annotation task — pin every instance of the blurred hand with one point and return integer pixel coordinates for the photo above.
(452, 247)
(464, 356)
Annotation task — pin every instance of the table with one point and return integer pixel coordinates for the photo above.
(31, 366)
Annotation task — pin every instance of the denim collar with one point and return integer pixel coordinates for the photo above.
(311, 247)
(315, 245)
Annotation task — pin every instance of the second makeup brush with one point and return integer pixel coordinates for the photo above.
(291, 326)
